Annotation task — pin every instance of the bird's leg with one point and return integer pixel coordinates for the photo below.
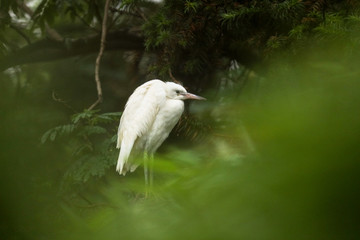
(151, 170)
(146, 173)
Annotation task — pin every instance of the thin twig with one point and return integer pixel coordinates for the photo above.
(52, 33)
(138, 10)
(85, 23)
(97, 63)
(85, 199)
(59, 100)
(173, 78)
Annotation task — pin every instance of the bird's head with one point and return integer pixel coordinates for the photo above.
(178, 92)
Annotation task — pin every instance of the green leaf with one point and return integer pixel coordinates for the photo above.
(112, 114)
(45, 136)
(53, 135)
(86, 114)
(67, 129)
(191, 6)
(90, 130)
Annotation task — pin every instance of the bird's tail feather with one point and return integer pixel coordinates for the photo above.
(126, 146)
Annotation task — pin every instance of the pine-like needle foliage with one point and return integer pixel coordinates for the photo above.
(194, 38)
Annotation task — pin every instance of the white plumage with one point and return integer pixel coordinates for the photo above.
(150, 114)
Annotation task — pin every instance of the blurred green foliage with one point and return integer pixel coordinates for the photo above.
(272, 154)
(300, 181)
(91, 144)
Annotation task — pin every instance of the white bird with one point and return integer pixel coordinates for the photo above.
(150, 114)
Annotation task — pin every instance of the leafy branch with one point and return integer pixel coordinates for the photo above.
(91, 137)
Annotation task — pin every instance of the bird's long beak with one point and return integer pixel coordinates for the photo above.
(193, 96)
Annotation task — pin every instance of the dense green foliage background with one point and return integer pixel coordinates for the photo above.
(272, 154)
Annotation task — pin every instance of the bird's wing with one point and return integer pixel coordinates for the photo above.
(141, 109)
(139, 114)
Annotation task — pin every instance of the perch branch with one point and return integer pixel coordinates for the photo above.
(97, 64)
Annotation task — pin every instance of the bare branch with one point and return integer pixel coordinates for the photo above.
(85, 23)
(99, 100)
(49, 50)
(59, 100)
(138, 10)
(173, 78)
(53, 34)
(97, 64)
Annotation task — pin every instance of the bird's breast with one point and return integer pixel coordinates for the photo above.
(169, 114)
(167, 117)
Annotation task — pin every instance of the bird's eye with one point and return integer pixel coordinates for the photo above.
(177, 91)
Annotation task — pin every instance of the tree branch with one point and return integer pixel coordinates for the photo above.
(98, 59)
(49, 50)
(59, 100)
(138, 10)
(85, 23)
(173, 78)
(52, 33)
